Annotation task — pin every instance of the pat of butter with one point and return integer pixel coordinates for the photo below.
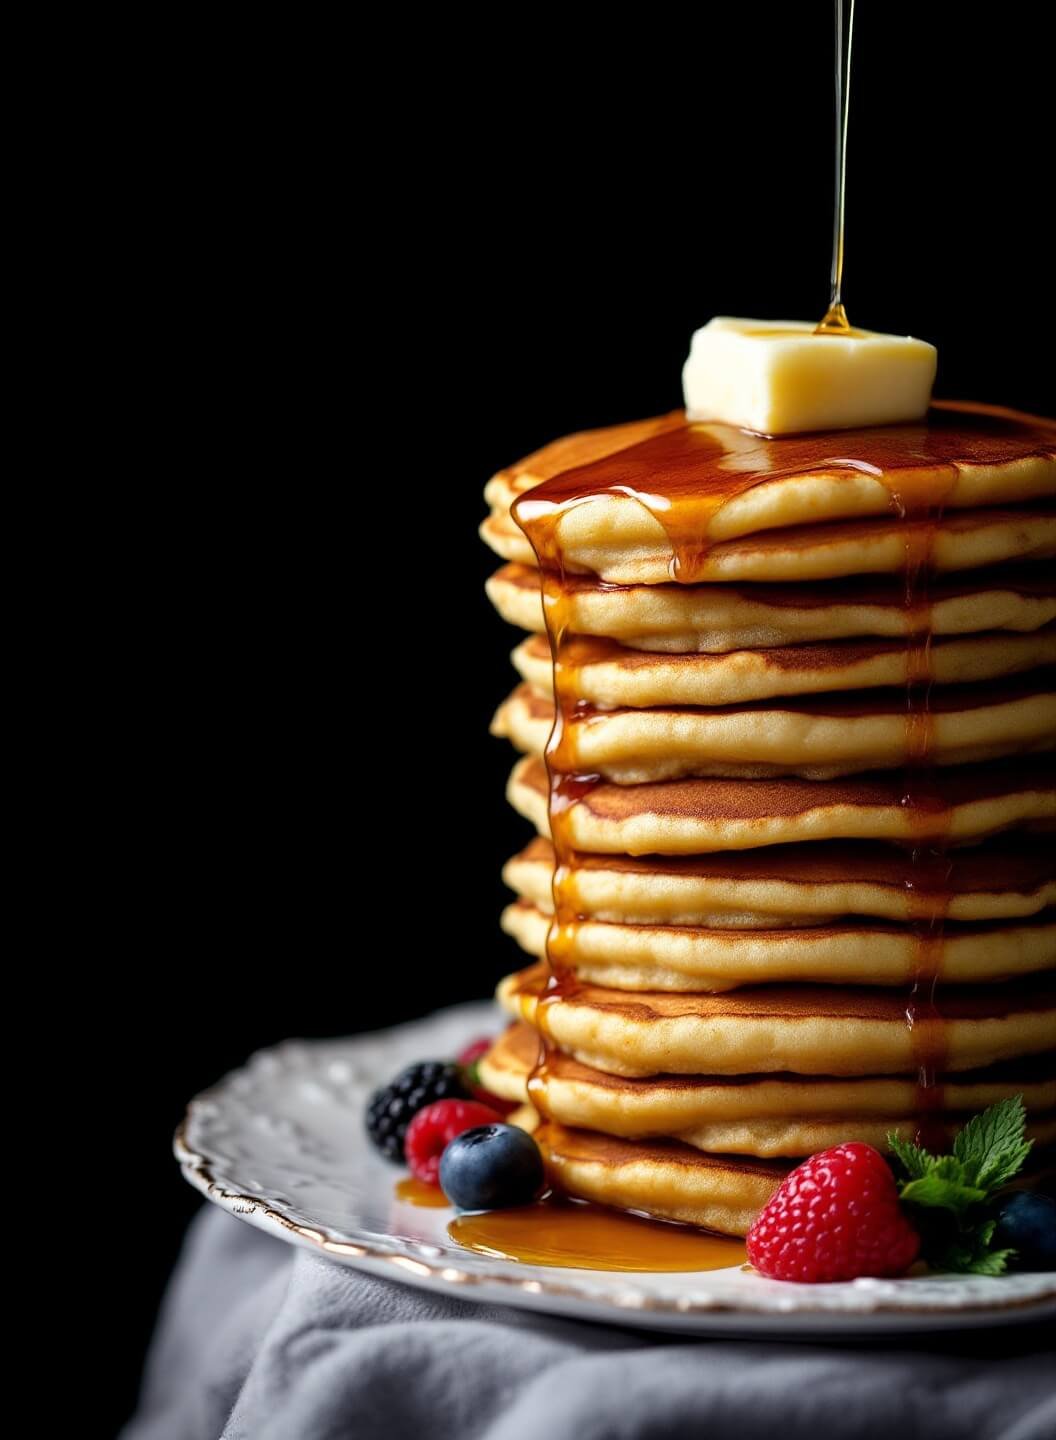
(779, 377)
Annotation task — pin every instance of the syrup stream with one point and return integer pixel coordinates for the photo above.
(835, 320)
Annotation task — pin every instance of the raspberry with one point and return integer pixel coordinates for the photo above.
(469, 1063)
(473, 1052)
(432, 1128)
(391, 1109)
(835, 1217)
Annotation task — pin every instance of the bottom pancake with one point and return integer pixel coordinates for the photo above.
(667, 1180)
(767, 1116)
(659, 1178)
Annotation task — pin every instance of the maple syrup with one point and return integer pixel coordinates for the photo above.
(583, 1236)
(411, 1191)
(834, 321)
(683, 474)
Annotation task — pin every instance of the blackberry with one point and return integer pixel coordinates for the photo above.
(391, 1109)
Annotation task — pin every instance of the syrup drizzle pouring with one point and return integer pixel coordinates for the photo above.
(834, 321)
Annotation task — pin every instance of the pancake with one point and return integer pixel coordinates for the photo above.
(662, 1178)
(965, 540)
(614, 676)
(715, 619)
(970, 455)
(816, 736)
(806, 1029)
(1006, 877)
(689, 817)
(671, 1104)
(571, 451)
(843, 952)
(763, 1115)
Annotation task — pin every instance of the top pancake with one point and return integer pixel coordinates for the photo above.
(666, 499)
(996, 456)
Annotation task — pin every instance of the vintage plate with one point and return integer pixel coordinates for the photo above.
(280, 1143)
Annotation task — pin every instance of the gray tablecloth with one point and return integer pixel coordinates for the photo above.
(261, 1342)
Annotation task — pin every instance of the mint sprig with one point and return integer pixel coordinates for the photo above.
(949, 1195)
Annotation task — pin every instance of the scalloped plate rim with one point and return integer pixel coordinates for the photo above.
(620, 1298)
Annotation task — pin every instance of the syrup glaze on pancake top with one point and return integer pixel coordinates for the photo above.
(667, 504)
(680, 506)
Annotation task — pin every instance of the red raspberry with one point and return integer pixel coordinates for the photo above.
(469, 1064)
(434, 1127)
(835, 1217)
(473, 1052)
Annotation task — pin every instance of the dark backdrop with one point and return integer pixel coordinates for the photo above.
(377, 284)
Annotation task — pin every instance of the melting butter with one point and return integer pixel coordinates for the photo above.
(786, 377)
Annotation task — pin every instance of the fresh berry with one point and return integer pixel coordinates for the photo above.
(392, 1109)
(473, 1051)
(835, 1217)
(469, 1063)
(491, 1168)
(1026, 1223)
(436, 1126)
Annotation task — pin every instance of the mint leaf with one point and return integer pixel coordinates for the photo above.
(968, 1252)
(971, 1259)
(915, 1161)
(994, 1262)
(942, 1192)
(949, 1193)
(991, 1146)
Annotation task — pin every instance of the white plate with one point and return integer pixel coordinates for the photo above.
(281, 1144)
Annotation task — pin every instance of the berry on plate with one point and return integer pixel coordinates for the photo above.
(391, 1109)
(474, 1050)
(1026, 1223)
(491, 1168)
(469, 1063)
(435, 1127)
(835, 1217)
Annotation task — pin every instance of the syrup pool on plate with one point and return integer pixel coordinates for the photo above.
(417, 1192)
(582, 1236)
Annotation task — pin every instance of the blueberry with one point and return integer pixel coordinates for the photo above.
(491, 1167)
(1026, 1222)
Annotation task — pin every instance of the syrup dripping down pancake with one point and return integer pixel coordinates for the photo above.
(768, 1116)
(803, 1029)
(1006, 877)
(612, 676)
(848, 951)
(664, 1178)
(690, 817)
(716, 619)
(965, 540)
(817, 736)
(741, 484)
(723, 1193)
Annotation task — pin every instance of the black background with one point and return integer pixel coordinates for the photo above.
(367, 304)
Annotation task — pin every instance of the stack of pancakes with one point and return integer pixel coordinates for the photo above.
(794, 881)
